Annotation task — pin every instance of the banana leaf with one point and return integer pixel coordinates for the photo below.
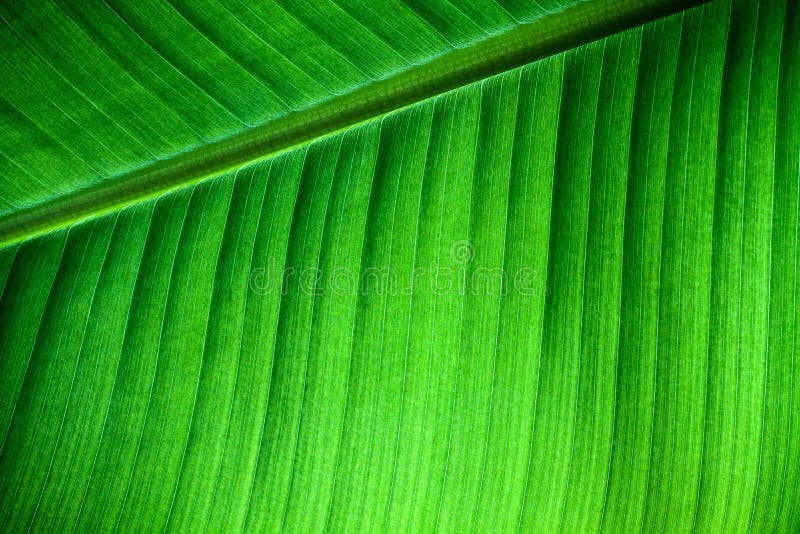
(399, 266)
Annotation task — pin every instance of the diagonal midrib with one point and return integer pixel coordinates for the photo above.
(546, 36)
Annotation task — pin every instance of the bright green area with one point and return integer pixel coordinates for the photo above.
(561, 299)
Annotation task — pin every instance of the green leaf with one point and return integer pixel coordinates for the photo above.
(339, 266)
(93, 184)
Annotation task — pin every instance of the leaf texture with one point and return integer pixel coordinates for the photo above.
(93, 90)
(560, 299)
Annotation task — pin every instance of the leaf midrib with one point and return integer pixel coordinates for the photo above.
(554, 33)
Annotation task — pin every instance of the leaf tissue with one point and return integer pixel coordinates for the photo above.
(399, 266)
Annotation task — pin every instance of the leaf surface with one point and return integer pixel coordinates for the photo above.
(557, 298)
